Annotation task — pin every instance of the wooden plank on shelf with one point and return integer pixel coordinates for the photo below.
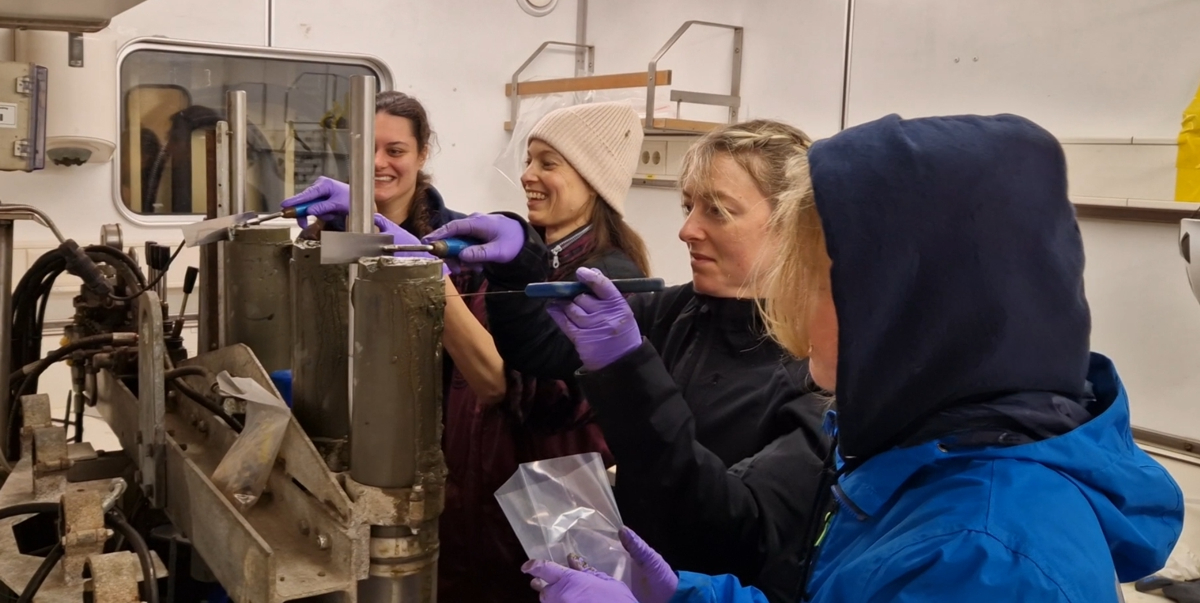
(685, 125)
(666, 125)
(592, 82)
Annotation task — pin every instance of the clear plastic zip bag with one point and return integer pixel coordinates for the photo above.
(243, 472)
(565, 506)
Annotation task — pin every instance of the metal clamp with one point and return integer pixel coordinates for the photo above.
(35, 412)
(84, 533)
(732, 100)
(515, 101)
(394, 507)
(114, 577)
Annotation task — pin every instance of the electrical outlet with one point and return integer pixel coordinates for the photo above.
(653, 159)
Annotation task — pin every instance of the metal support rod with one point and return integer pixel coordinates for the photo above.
(848, 53)
(10, 211)
(6, 270)
(514, 102)
(652, 70)
(581, 53)
(212, 279)
(236, 113)
(270, 23)
(362, 153)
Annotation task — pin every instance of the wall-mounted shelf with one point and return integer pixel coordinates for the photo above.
(650, 79)
(77, 16)
(1136, 210)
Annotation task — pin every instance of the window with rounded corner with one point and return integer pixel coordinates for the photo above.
(171, 100)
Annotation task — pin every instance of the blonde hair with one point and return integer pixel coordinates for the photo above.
(763, 148)
(794, 267)
(799, 264)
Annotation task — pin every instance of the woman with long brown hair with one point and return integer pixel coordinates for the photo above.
(580, 165)
(713, 427)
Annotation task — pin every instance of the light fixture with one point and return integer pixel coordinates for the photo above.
(537, 8)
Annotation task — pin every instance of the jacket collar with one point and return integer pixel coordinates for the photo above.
(871, 485)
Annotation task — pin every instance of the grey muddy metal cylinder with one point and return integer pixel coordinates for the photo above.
(320, 351)
(257, 287)
(396, 425)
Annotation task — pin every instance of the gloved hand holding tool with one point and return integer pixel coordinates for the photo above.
(499, 238)
(599, 323)
(327, 199)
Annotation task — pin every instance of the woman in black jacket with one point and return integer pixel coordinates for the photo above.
(715, 430)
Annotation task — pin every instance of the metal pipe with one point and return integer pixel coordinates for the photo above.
(212, 280)
(582, 66)
(397, 417)
(6, 267)
(9, 211)
(397, 379)
(362, 153)
(257, 278)
(320, 351)
(848, 54)
(236, 113)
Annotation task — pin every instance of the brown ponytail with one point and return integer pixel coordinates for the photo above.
(610, 231)
(399, 104)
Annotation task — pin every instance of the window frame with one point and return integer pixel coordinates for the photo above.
(371, 63)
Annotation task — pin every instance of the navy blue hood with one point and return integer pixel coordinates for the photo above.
(957, 272)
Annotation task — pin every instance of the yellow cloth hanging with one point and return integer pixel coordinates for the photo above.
(1187, 162)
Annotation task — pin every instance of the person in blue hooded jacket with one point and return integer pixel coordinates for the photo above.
(933, 274)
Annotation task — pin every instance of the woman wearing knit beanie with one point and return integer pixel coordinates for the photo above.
(581, 162)
(714, 429)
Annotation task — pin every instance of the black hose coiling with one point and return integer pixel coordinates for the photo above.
(25, 378)
(149, 577)
(116, 520)
(39, 576)
(29, 509)
(30, 298)
(175, 378)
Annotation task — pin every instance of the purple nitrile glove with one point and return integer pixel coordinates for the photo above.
(600, 324)
(403, 237)
(501, 238)
(653, 580)
(331, 200)
(558, 584)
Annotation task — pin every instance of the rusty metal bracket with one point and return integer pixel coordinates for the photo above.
(84, 533)
(411, 507)
(35, 411)
(114, 577)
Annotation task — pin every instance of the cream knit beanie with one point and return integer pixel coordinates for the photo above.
(601, 141)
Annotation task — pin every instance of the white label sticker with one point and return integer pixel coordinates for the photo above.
(8, 115)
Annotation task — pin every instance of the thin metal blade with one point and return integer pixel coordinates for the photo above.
(348, 247)
(216, 229)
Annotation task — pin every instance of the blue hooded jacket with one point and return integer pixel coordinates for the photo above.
(983, 453)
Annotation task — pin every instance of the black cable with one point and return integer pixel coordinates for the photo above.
(28, 377)
(138, 544)
(188, 371)
(29, 509)
(150, 286)
(43, 571)
(119, 256)
(213, 407)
